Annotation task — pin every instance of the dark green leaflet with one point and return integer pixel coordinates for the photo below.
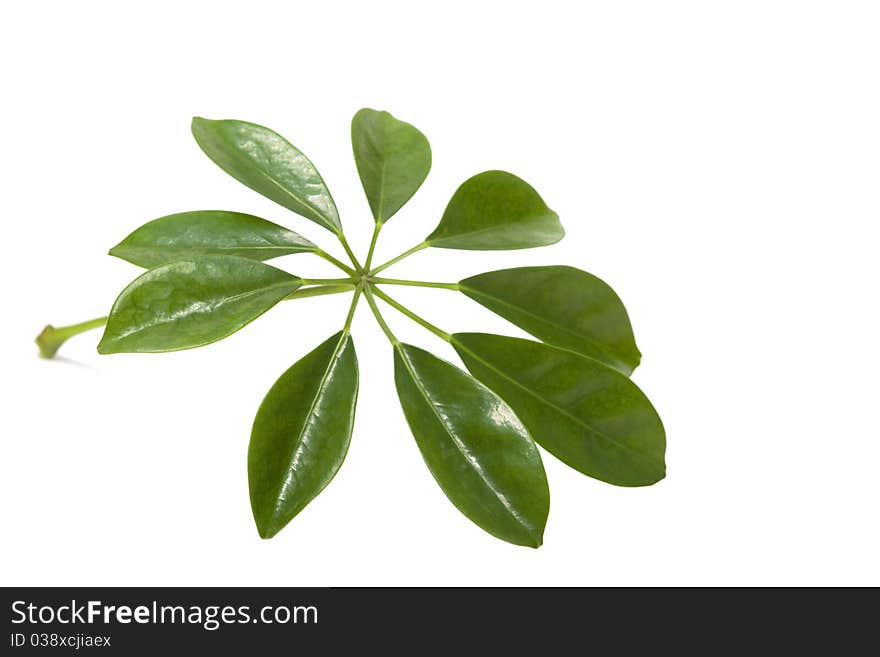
(190, 303)
(563, 306)
(475, 446)
(495, 210)
(269, 164)
(392, 157)
(585, 413)
(206, 232)
(301, 433)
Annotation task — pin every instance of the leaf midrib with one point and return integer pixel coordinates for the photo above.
(461, 448)
(586, 425)
(216, 249)
(496, 227)
(312, 211)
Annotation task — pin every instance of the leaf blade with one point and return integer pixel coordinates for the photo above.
(266, 162)
(562, 306)
(393, 159)
(302, 432)
(208, 232)
(589, 415)
(475, 447)
(191, 303)
(496, 210)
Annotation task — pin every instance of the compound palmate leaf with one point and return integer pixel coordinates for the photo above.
(563, 306)
(206, 232)
(393, 159)
(495, 210)
(478, 432)
(301, 433)
(190, 303)
(269, 164)
(477, 449)
(585, 413)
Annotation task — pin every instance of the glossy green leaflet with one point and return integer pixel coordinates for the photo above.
(478, 429)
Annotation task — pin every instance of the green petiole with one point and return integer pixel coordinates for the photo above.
(405, 254)
(351, 256)
(398, 281)
(354, 303)
(50, 338)
(368, 293)
(413, 316)
(319, 291)
(330, 281)
(373, 240)
(329, 258)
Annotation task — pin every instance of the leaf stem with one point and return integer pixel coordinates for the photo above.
(351, 256)
(409, 313)
(328, 281)
(318, 291)
(321, 253)
(375, 237)
(368, 293)
(354, 302)
(398, 281)
(50, 338)
(405, 254)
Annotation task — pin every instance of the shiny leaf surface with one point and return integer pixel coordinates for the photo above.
(269, 164)
(190, 303)
(477, 449)
(301, 433)
(495, 210)
(393, 159)
(585, 413)
(207, 232)
(562, 306)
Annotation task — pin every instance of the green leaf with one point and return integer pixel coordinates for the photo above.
(392, 157)
(206, 232)
(495, 210)
(585, 413)
(477, 449)
(563, 306)
(302, 432)
(269, 164)
(190, 303)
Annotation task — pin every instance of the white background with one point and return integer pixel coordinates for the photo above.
(716, 162)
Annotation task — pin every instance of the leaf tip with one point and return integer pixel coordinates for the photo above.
(661, 474)
(556, 232)
(269, 527)
(198, 125)
(636, 358)
(266, 533)
(107, 346)
(647, 479)
(363, 111)
(560, 229)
